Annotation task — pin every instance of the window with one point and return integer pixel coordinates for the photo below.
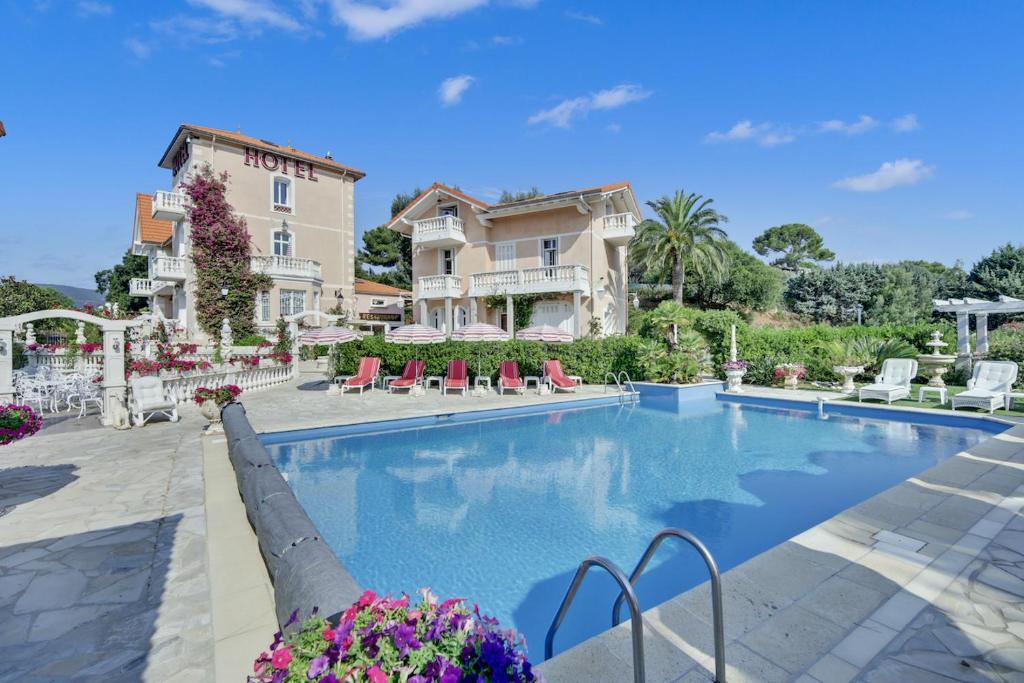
(452, 210)
(283, 199)
(379, 303)
(549, 252)
(263, 307)
(505, 255)
(292, 301)
(447, 265)
(282, 243)
(461, 317)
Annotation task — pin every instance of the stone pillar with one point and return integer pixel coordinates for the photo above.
(7, 364)
(473, 311)
(510, 315)
(981, 328)
(576, 321)
(293, 331)
(114, 385)
(963, 341)
(423, 312)
(448, 316)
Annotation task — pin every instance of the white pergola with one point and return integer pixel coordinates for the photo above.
(980, 309)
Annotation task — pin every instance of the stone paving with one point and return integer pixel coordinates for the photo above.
(103, 555)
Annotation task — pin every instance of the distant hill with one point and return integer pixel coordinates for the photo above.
(80, 295)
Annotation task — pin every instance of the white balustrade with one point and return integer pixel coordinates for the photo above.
(440, 286)
(182, 387)
(287, 266)
(619, 228)
(169, 206)
(167, 268)
(567, 278)
(441, 231)
(139, 286)
(59, 360)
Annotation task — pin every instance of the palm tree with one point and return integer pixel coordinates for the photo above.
(688, 236)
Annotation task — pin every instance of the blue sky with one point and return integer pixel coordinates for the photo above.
(893, 128)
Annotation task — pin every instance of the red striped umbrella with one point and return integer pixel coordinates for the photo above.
(414, 334)
(544, 333)
(480, 332)
(329, 335)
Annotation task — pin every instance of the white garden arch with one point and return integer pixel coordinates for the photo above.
(293, 321)
(113, 385)
(980, 309)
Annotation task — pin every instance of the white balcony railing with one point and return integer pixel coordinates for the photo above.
(440, 286)
(619, 228)
(167, 268)
(287, 266)
(443, 231)
(140, 286)
(569, 278)
(169, 206)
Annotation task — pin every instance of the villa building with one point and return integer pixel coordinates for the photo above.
(379, 307)
(472, 259)
(299, 209)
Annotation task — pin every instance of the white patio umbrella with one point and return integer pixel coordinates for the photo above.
(329, 335)
(480, 332)
(414, 334)
(544, 333)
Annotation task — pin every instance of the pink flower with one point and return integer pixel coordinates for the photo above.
(281, 658)
(376, 675)
(328, 633)
(367, 598)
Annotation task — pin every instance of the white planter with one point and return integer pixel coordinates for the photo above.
(734, 381)
(848, 372)
(211, 411)
(791, 382)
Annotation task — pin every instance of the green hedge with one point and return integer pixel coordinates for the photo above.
(1008, 344)
(589, 358)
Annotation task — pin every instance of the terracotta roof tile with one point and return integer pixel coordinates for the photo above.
(370, 287)
(266, 145)
(150, 229)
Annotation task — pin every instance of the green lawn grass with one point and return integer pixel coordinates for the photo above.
(932, 401)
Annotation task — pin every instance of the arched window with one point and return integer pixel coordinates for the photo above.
(436, 318)
(610, 322)
(282, 243)
(461, 317)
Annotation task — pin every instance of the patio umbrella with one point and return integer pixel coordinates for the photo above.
(480, 332)
(544, 333)
(329, 335)
(414, 334)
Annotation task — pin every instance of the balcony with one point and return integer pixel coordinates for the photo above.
(440, 287)
(619, 228)
(549, 279)
(287, 267)
(140, 286)
(167, 268)
(443, 231)
(169, 206)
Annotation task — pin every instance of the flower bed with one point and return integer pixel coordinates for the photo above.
(379, 640)
(219, 395)
(17, 422)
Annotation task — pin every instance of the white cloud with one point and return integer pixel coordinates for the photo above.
(613, 128)
(861, 125)
(562, 114)
(93, 8)
(765, 134)
(584, 17)
(958, 215)
(905, 123)
(506, 40)
(187, 31)
(251, 12)
(368, 21)
(138, 48)
(889, 175)
(452, 88)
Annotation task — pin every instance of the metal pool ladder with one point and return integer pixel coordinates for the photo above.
(627, 593)
(621, 381)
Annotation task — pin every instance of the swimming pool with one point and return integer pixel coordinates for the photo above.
(501, 510)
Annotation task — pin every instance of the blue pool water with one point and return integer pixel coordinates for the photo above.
(502, 510)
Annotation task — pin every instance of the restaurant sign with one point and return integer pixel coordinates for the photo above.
(280, 163)
(381, 316)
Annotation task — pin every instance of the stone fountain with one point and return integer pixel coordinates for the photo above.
(935, 364)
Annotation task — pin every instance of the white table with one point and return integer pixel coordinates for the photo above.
(481, 379)
(941, 391)
(531, 378)
(436, 379)
(387, 380)
(1010, 396)
(576, 378)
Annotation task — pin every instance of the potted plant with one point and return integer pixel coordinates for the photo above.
(734, 371)
(790, 374)
(380, 639)
(17, 422)
(211, 401)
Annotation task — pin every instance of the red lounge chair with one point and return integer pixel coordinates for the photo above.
(457, 378)
(556, 378)
(366, 375)
(508, 377)
(412, 374)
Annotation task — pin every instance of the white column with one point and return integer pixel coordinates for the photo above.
(448, 316)
(114, 386)
(423, 312)
(510, 315)
(7, 365)
(472, 311)
(576, 321)
(981, 328)
(963, 332)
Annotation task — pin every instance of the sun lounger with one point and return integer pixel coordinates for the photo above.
(893, 383)
(988, 386)
(509, 378)
(555, 378)
(366, 376)
(412, 375)
(457, 378)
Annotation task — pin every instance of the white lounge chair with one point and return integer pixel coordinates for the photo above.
(149, 398)
(894, 382)
(988, 386)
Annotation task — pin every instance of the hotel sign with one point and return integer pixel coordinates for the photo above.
(391, 317)
(280, 163)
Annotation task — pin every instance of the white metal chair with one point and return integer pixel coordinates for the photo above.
(149, 398)
(988, 386)
(85, 391)
(32, 392)
(893, 383)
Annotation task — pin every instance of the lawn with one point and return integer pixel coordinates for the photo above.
(932, 401)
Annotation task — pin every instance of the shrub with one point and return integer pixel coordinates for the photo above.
(17, 422)
(1007, 343)
(378, 639)
(251, 340)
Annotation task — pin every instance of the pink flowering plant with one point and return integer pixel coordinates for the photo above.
(17, 422)
(219, 395)
(734, 365)
(790, 370)
(384, 640)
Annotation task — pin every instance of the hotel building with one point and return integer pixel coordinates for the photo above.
(568, 248)
(299, 209)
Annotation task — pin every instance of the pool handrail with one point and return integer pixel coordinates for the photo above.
(716, 589)
(637, 621)
(623, 379)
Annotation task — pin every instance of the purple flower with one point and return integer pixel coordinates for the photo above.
(317, 667)
(405, 639)
(451, 674)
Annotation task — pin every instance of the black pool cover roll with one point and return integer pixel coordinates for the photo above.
(281, 524)
(309, 576)
(259, 484)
